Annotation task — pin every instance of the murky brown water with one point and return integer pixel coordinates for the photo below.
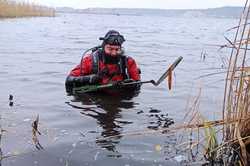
(36, 55)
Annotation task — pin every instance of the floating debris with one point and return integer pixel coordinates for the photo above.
(34, 134)
(140, 112)
(203, 55)
(170, 75)
(152, 110)
(158, 148)
(11, 103)
(82, 134)
(92, 131)
(10, 97)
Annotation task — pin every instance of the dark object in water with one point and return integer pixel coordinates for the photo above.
(152, 110)
(11, 103)
(11, 97)
(159, 121)
(140, 112)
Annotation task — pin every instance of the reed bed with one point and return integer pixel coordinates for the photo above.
(234, 148)
(237, 91)
(12, 9)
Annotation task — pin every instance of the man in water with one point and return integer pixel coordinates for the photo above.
(105, 64)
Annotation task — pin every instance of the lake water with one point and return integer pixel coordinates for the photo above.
(36, 54)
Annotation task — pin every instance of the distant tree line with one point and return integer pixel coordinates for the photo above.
(10, 9)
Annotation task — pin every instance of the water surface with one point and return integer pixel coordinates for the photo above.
(36, 54)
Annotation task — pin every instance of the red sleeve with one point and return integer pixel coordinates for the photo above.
(86, 67)
(133, 70)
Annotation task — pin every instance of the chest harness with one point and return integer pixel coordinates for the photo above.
(122, 65)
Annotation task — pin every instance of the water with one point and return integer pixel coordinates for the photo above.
(36, 54)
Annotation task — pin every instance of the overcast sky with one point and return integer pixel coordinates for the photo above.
(162, 4)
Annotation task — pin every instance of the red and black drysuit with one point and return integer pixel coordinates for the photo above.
(98, 68)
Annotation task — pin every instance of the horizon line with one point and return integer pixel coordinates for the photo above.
(145, 8)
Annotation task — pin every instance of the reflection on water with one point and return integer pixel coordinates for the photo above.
(107, 113)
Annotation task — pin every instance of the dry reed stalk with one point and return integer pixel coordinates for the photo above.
(227, 89)
(35, 131)
(237, 88)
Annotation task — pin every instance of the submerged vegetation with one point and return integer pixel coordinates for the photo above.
(11, 9)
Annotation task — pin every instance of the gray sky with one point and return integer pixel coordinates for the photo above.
(162, 4)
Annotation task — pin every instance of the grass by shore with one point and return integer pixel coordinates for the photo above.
(11, 9)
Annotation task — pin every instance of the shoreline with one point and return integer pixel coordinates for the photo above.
(9, 9)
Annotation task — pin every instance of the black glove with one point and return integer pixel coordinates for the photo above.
(72, 81)
(88, 79)
(82, 80)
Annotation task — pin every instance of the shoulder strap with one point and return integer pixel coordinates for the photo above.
(124, 67)
(95, 62)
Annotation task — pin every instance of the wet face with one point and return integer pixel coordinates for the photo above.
(112, 50)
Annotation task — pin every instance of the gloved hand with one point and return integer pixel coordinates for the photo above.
(88, 79)
(73, 81)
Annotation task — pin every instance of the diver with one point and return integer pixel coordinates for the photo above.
(105, 64)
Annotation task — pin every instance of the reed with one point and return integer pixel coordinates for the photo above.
(12, 9)
(237, 90)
